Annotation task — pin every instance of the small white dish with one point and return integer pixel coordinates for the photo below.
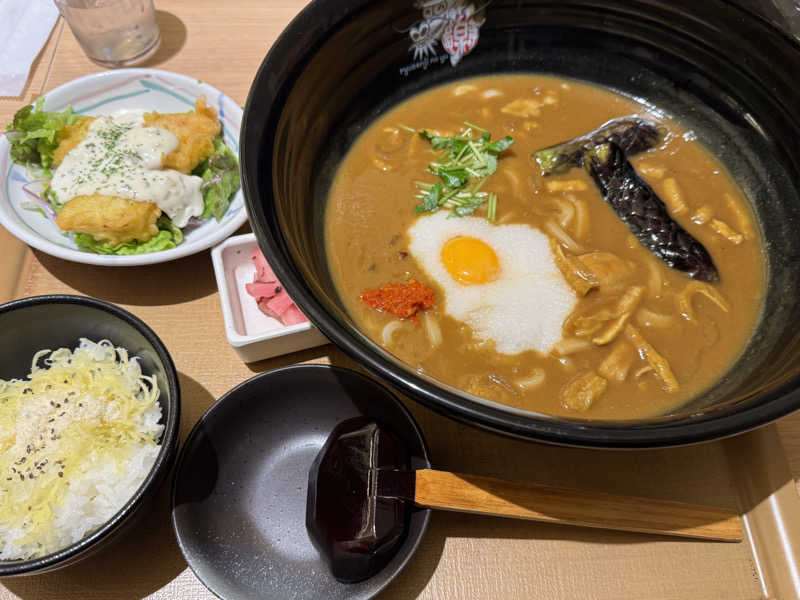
(253, 335)
(105, 93)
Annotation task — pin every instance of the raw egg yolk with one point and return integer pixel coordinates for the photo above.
(470, 261)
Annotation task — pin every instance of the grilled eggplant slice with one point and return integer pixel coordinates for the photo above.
(629, 133)
(645, 214)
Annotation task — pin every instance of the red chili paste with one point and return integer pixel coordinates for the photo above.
(403, 300)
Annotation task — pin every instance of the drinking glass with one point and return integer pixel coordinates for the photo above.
(113, 33)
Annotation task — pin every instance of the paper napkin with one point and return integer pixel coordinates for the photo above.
(25, 26)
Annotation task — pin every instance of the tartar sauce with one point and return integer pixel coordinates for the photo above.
(121, 157)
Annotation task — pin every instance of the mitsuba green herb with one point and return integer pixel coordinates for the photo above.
(463, 165)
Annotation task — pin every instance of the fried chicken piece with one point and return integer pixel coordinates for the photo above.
(110, 218)
(69, 137)
(195, 132)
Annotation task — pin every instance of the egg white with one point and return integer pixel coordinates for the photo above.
(524, 308)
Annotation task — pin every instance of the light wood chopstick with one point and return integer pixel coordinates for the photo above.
(484, 495)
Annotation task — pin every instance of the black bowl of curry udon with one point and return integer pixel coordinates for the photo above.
(382, 184)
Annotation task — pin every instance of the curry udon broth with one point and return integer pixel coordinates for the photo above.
(644, 341)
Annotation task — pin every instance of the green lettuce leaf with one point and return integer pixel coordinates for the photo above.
(220, 173)
(169, 236)
(34, 134)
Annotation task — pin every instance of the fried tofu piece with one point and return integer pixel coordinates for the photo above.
(195, 132)
(658, 362)
(580, 393)
(110, 218)
(69, 137)
(618, 363)
(489, 387)
(580, 278)
(611, 272)
(526, 108)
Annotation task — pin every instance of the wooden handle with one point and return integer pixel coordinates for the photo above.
(484, 495)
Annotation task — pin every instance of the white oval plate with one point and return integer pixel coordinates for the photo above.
(104, 93)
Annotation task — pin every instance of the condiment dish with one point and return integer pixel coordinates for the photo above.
(253, 335)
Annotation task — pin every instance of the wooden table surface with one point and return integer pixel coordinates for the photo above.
(223, 44)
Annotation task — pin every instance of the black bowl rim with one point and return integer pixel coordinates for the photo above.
(271, 373)
(622, 435)
(161, 465)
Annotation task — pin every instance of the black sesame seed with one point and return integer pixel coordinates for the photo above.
(60, 474)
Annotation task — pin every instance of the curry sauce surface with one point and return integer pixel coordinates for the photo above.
(371, 206)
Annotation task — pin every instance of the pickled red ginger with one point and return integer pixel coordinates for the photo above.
(268, 292)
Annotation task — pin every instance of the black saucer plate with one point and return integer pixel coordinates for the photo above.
(239, 495)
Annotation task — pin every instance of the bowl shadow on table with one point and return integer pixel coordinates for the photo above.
(166, 283)
(142, 560)
(173, 38)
